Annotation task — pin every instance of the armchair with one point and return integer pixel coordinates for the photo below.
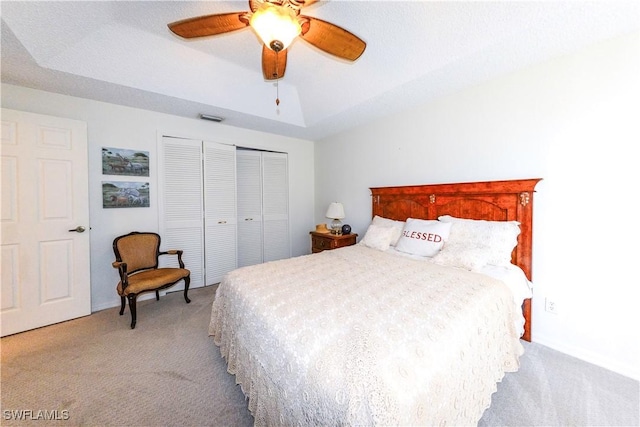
(137, 257)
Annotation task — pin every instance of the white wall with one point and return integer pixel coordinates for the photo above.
(123, 127)
(572, 121)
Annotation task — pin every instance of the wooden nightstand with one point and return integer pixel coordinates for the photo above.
(326, 241)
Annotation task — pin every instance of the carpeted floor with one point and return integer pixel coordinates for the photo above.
(96, 371)
(166, 371)
(554, 389)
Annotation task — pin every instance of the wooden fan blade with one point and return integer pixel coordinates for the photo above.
(331, 38)
(273, 64)
(254, 4)
(209, 25)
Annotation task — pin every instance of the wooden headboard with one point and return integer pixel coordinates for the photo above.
(491, 200)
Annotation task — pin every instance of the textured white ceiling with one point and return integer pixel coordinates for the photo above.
(122, 52)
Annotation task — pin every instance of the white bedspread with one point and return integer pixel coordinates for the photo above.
(356, 336)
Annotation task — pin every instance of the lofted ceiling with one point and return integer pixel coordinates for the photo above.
(122, 52)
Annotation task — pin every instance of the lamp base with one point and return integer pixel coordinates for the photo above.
(336, 226)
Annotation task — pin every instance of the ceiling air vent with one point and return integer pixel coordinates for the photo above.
(211, 118)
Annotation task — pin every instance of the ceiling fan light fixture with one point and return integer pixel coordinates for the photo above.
(276, 25)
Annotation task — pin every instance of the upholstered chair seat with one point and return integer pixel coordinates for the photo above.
(148, 280)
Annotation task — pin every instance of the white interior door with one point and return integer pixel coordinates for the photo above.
(45, 261)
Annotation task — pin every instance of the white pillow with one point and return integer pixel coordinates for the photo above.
(497, 238)
(462, 255)
(378, 237)
(423, 237)
(386, 222)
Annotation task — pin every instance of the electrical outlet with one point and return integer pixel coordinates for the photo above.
(550, 306)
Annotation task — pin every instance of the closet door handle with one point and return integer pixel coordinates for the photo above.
(222, 222)
(248, 219)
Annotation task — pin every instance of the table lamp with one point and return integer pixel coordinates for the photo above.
(336, 213)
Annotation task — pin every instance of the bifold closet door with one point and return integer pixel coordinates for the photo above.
(275, 206)
(219, 210)
(197, 194)
(181, 204)
(249, 191)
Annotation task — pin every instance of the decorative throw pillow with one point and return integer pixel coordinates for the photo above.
(378, 237)
(423, 237)
(397, 226)
(497, 238)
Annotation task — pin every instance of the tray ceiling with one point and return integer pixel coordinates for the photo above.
(122, 52)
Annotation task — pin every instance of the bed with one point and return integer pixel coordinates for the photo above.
(365, 335)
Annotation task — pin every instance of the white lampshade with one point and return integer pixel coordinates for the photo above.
(335, 211)
(276, 25)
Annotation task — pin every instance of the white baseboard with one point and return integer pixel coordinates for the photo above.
(116, 302)
(627, 370)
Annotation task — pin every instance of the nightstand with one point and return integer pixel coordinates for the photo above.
(327, 241)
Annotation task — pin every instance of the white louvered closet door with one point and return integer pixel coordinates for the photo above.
(275, 197)
(181, 205)
(220, 210)
(249, 191)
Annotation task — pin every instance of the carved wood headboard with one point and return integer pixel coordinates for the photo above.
(491, 200)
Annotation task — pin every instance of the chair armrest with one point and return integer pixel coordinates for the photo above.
(174, 252)
(122, 271)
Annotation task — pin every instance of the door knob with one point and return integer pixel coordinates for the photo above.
(78, 229)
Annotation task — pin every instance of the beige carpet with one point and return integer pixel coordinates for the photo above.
(167, 372)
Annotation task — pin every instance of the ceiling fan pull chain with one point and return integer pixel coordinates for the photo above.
(277, 80)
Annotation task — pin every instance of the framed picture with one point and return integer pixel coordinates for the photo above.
(121, 161)
(119, 194)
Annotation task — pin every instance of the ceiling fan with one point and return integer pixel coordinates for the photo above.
(277, 23)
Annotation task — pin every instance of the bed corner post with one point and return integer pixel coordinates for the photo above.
(525, 244)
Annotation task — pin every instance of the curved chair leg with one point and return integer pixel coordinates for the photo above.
(122, 304)
(187, 281)
(132, 307)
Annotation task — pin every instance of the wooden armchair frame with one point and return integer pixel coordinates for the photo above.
(137, 256)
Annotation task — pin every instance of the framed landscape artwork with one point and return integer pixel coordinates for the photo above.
(120, 194)
(121, 161)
